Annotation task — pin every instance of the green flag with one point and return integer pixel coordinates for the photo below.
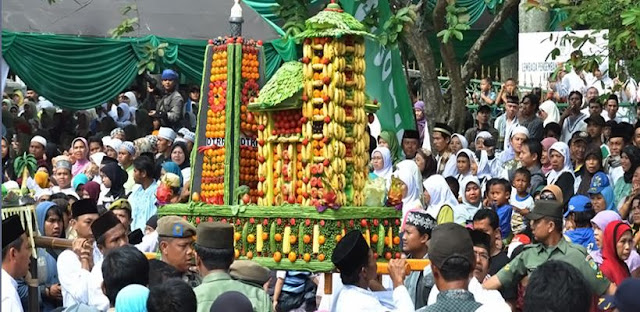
(385, 78)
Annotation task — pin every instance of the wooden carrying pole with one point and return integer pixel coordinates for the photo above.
(52, 242)
(382, 268)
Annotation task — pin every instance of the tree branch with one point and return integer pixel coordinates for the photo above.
(473, 56)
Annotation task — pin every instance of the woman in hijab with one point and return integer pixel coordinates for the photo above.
(465, 161)
(172, 167)
(439, 199)
(601, 193)
(421, 118)
(458, 142)
(546, 144)
(617, 243)
(506, 163)
(599, 224)
(180, 156)
(132, 298)
(549, 112)
(407, 171)
(389, 140)
(552, 192)
(113, 179)
(49, 218)
(479, 140)
(629, 161)
(231, 301)
(91, 190)
(592, 165)
(130, 98)
(7, 161)
(561, 173)
(381, 162)
(471, 200)
(80, 153)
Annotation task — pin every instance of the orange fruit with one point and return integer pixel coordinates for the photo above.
(293, 239)
(321, 257)
(396, 240)
(237, 253)
(249, 254)
(338, 238)
(195, 197)
(251, 238)
(278, 237)
(306, 257)
(292, 256)
(237, 236)
(306, 238)
(265, 236)
(374, 238)
(321, 239)
(277, 256)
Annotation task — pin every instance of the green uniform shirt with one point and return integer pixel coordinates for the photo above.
(534, 255)
(215, 284)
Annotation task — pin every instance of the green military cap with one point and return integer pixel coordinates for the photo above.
(249, 271)
(176, 227)
(215, 235)
(546, 208)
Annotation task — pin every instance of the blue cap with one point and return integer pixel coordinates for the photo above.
(625, 298)
(169, 74)
(599, 181)
(578, 203)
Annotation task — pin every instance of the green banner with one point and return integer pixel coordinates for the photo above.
(385, 78)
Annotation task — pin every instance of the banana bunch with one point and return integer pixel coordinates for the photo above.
(339, 64)
(359, 49)
(359, 65)
(339, 47)
(358, 98)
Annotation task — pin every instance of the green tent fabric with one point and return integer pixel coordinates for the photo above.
(83, 72)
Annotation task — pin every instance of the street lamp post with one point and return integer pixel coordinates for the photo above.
(236, 20)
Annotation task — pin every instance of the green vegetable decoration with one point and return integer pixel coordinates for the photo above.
(27, 165)
(245, 231)
(243, 195)
(272, 237)
(381, 236)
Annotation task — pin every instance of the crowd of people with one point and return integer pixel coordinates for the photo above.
(550, 201)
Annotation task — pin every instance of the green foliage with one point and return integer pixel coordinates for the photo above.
(152, 55)
(457, 21)
(620, 17)
(294, 13)
(128, 24)
(286, 82)
(395, 25)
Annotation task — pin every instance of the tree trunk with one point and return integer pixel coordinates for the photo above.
(436, 111)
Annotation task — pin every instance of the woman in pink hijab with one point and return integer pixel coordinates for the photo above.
(80, 152)
(546, 163)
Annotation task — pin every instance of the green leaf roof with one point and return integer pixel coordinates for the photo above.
(333, 22)
(285, 83)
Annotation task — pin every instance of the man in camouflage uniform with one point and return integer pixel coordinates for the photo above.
(175, 247)
(546, 223)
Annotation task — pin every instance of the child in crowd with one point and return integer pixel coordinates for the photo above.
(521, 200)
(486, 96)
(530, 157)
(578, 222)
(499, 191)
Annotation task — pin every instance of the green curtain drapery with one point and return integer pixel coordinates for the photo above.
(83, 72)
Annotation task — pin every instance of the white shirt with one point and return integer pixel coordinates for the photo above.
(572, 125)
(616, 173)
(572, 82)
(10, 298)
(73, 279)
(97, 298)
(352, 298)
(149, 242)
(491, 300)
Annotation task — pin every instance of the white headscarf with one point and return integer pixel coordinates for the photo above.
(563, 149)
(133, 102)
(440, 194)
(387, 166)
(482, 134)
(409, 173)
(472, 158)
(463, 140)
(553, 114)
(466, 210)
